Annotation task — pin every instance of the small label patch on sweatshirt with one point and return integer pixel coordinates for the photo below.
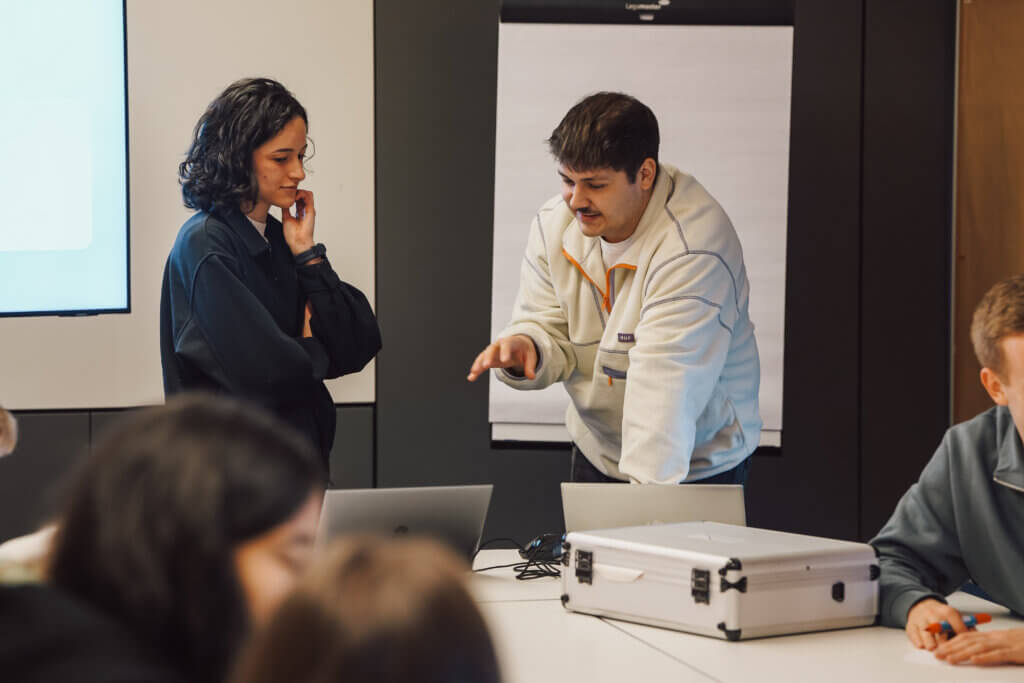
(626, 337)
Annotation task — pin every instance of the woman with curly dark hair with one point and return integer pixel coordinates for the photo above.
(250, 305)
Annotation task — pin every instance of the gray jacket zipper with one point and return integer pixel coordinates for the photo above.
(1007, 485)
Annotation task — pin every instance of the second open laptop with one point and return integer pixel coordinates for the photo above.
(610, 506)
(453, 514)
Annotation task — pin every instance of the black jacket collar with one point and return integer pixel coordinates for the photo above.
(243, 227)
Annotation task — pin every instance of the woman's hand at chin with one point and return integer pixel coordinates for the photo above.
(298, 228)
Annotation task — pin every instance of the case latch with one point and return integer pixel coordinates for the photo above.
(700, 586)
(585, 566)
(740, 585)
(732, 565)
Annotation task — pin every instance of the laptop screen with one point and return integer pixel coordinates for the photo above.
(452, 514)
(609, 506)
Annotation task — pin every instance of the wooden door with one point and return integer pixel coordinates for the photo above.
(989, 175)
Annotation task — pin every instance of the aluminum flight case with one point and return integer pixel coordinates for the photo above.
(720, 580)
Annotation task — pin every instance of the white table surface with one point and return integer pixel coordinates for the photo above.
(537, 639)
(501, 585)
(541, 641)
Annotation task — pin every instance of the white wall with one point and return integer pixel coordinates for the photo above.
(180, 56)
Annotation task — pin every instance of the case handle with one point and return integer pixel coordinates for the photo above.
(618, 574)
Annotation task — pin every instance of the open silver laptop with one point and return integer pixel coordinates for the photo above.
(454, 514)
(609, 506)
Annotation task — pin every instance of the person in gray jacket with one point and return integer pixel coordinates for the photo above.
(964, 517)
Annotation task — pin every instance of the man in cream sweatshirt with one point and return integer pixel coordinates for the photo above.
(633, 293)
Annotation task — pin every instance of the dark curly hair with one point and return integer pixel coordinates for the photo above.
(156, 510)
(606, 130)
(217, 172)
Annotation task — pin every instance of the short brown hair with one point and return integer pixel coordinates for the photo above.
(606, 130)
(371, 609)
(999, 314)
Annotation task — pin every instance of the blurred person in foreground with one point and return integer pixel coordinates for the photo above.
(380, 611)
(186, 524)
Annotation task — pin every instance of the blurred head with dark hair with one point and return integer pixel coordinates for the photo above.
(380, 611)
(187, 521)
(606, 147)
(230, 165)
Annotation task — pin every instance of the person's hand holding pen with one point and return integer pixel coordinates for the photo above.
(984, 647)
(931, 625)
(970, 621)
(930, 611)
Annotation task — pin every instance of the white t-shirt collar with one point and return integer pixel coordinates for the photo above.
(261, 228)
(611, 252)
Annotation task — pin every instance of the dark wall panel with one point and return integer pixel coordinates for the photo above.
(50, 443)
(436, 85)
(48, 446)
(351, 460)
(812, 487)
(527, 499)
(352, 454)
(102, 420)
(908, 150)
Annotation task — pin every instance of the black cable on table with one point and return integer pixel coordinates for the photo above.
(532, 568)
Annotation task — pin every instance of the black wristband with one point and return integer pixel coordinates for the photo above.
(318, 250)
